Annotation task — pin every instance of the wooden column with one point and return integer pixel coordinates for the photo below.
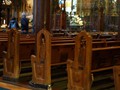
(41, 13)
(100, 26)
(101, 19)
(118, 2)
(47, 2)
(0, 11)
(79, 7)
(8, 16)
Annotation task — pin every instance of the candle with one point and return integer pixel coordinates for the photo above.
(4, 21)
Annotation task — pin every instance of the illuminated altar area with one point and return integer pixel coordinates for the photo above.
(10, 8)
(92, 15)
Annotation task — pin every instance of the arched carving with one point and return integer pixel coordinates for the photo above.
(41, 68)
(11, 64)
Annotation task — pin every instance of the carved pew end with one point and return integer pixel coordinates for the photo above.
(40, 86)
(116, 73)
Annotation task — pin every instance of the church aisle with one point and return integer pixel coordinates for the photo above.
(7, 86)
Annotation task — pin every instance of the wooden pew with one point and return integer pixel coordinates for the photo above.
(9, 67)
(79, 75)
(3, 47)
(103, 62)
(50, 53)
(20, 48)
(60, 45)
(3, 44)
(17, 55)
(59, 48)
(88, 61)
(3, 34)
(116, 74)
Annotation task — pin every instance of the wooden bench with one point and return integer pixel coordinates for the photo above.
(17, 55)
(20, 48)
(3, 47)
(58, 49)
(4, 44)
(51, 52)
(3, 35)
(25, 46)
(79, 75)
(88, 60)
(116, 74)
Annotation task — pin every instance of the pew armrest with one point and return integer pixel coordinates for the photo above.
(69, 62)
(70, 75)
(33, 58)
(4, 53)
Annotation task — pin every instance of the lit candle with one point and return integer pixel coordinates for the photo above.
(4, 21)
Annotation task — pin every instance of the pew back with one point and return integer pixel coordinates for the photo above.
(18, 53)
(79, 69)
(100, 59)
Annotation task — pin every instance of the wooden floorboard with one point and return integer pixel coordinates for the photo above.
(12, 87)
